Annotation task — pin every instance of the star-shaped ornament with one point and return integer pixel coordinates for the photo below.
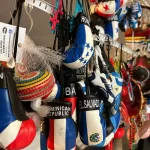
(106, 7)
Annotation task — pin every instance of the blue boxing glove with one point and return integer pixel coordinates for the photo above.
(79, 54)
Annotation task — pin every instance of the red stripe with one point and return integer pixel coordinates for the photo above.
(47, 96)
(25, 135)
(36, 87)
(38, 93)
(73, 101)
(50, 141)
(121, 3)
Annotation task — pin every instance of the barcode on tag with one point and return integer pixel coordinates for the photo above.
(7, 40)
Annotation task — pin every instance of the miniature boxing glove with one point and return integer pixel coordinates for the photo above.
(17, 131)
(62, 130)
(79, 54)
(90, 128)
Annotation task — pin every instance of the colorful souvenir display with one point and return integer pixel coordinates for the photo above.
(74, 96)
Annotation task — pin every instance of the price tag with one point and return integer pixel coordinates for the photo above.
(7, 40)
(43, 5)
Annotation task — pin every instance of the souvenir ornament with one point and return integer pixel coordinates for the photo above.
(135, 106)
(90, 133)
(15, 125)
(108, 8)
(79, 54)
(112, 28)
(63, 132)
(101, 79)
(98, 92)
(117, 90)
(113, 89)
(141, 73)
(136, 9)
(35, 85)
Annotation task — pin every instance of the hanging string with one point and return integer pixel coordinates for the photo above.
(13, 16)
(116, 52)
(88, 9)
(121, 53)
(132, 39)
(108, 47)
(17, 29)
(28, 12)
(87, 84)
(78, 8)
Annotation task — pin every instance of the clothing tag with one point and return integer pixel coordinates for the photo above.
(43, 5)
(7, 40)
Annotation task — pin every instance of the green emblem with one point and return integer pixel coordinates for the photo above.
(94, 137)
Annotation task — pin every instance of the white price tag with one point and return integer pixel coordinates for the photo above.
(43, 5)
(7, 40)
